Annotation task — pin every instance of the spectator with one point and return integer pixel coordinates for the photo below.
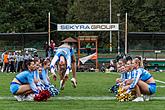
(103, 67)
(35, 54)
(112, 66)
(27, 57)
(88, 48)
(156, 68)
(6, 62)
(46, 48)
(2, 58)
(145, 63)
(52, 46)
(20, 62)
(12, 62)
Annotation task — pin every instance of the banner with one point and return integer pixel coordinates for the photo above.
(85, 59)
(87, 27)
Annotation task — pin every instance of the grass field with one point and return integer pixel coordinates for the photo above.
(91, 94)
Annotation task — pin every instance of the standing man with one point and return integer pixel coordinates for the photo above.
(2, 58)
(46, 48)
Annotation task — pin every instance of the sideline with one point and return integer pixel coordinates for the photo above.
(160, 81)
(81, 98)
(160, 86)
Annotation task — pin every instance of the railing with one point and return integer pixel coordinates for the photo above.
(148, 53)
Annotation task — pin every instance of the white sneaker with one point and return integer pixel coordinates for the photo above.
(146, 97)
(29, 97)
(18, 97)
(74, 82)
(138, 99)
(61, 85)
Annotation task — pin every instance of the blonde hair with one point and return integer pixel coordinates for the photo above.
(139, 62)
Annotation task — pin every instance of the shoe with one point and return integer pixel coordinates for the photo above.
(29, 97)
(74, 82)
(138, 99)
(61, 85)
(146, 97)
(18, 97)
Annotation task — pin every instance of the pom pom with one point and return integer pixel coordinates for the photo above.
(124, 96)
(114, 89)
(42, 96)
(53, 91)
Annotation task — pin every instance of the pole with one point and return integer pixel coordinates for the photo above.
(118, 41)
(96, 54)
(79, 52)
(49, 28)
(126, 34)
(110, 33)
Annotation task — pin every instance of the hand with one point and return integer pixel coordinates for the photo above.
(39, 88)
(54, 77)
(66, 77)
(125, 87)
(118, 80)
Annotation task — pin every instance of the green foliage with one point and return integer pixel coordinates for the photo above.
(144, 15)
(29, 15)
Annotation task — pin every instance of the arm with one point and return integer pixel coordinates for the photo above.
(137, 74)
(36, 77)
(32, 84)
(45, 78)
(52, 65)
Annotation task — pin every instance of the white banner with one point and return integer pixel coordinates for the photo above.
(85, 59)
(87, 27)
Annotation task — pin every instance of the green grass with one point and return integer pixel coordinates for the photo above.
(81, 105)
(89, 84)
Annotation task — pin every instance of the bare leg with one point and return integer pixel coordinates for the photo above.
(143, 87)
(138, 93)
(28, 92)
(74, 66)
(23, 89)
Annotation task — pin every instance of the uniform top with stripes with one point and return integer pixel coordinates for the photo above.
(139, 74)
(127, 75)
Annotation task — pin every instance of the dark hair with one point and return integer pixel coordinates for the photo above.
(28, 63)
(36, 59)
(45, 62)
(128, 58)
(138, 57)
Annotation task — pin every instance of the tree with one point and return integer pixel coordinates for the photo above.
(30, 15)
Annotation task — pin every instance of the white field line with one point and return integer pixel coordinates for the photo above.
(81, 98)
(160, 86)
(160, 81)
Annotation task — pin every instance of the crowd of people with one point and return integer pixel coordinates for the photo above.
(15, 61)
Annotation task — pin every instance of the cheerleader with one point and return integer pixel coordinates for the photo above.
(65, 56)
(143, 81)
(23, 83)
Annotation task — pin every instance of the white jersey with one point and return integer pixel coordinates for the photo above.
(62, 51)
